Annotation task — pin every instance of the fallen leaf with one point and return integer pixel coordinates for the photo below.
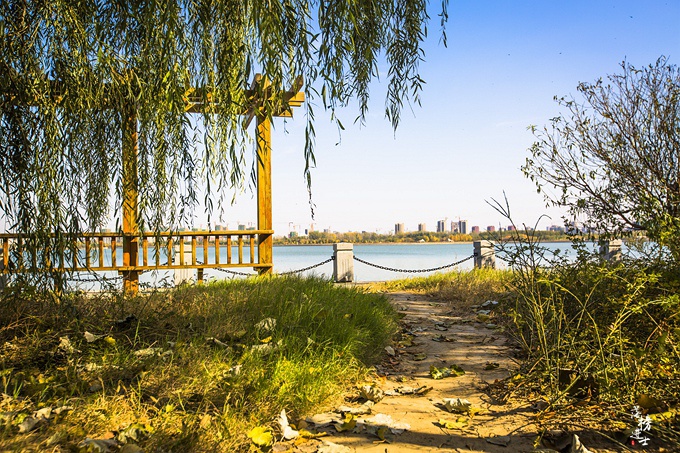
(310, 435)
(266, 325)
(325, 419)
(408, 391)
(28, 424)
(134, 433)
(459, 406)
(66, 346)
(441, 373)
(419, 357)
(347, 424)
(216, 342)
(261, 436)
(577, 446)
(379, 431)
(57, 438)
(91, 338)
(491, 366)
(390, 351)
(364, 409)
(406, 341)
(131, 448)
(442, 338)
(97, 445)
(147, 352)
(387, 421)
(371, 393)
(288, 432)
(452, 424)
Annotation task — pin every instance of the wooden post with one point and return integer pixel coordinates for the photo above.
(130, 194)
(264, 192)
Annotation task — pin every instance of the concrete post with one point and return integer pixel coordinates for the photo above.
(611, 250)
(182, 275)
(343, 264)
(485, 255)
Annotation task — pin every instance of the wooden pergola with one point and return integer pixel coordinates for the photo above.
(197, 101)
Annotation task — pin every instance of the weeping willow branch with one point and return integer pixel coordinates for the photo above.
(70, 69)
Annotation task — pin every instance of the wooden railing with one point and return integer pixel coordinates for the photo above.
(156, 251)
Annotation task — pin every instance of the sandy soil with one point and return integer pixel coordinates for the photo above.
(474, 347)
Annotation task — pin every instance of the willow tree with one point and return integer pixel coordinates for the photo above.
(73, 71)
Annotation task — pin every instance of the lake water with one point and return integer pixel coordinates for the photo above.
(294, 257)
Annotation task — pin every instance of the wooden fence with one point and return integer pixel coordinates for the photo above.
(103, 252)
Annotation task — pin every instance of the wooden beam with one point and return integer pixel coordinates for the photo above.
(264, 192)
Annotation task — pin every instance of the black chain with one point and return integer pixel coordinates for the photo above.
(94, 278)
(304, 269)
(507, 260)
(412, 271)
(297, 271)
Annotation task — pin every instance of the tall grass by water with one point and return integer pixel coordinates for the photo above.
(190, 369)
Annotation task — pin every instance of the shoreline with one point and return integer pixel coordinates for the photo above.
(411, 243)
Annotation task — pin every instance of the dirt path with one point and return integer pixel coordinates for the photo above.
(474, 346)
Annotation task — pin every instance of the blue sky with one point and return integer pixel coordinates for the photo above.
(505, 62)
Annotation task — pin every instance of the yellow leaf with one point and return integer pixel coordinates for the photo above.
(381, 431)
(261, 436)
(310, 435)
(349, 423)
(460, 423)
(266, 340)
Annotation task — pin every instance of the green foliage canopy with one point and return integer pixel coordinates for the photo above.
(71, 71)
(614, 158)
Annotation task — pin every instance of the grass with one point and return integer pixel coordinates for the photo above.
(460, 288)
(192, 369)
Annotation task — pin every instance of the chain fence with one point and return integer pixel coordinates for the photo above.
(413, 271)
(296, 271)
(93, 278)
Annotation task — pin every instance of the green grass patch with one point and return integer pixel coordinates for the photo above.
(192, 369)
(460, 287)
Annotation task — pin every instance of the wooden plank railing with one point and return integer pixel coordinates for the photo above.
(103, 251)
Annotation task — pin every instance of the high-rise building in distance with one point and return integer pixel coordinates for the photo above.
(462, 226)
(422, 228)
(441, 226)
(398, 228)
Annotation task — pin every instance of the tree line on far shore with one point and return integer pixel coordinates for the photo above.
(319, 237)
